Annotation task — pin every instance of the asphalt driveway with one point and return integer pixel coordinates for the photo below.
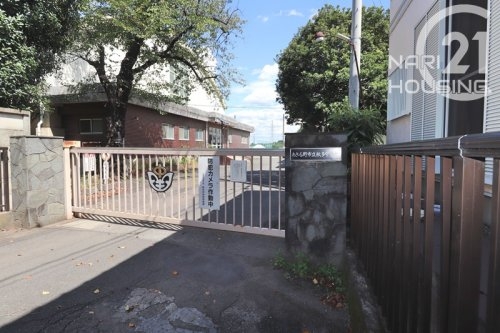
(120, 275)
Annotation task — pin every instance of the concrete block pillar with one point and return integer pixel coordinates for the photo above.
(316, 195)
(37, 178)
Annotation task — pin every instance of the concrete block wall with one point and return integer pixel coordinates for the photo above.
(37, 178)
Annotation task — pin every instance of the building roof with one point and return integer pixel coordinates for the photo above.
(63, 96)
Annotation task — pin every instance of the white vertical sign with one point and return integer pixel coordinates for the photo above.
(209, 181)
(89, 162)
(238, 171)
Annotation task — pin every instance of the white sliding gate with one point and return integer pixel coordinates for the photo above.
(228, 189)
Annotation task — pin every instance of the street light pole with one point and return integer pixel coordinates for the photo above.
(355, 44)
(354, 84)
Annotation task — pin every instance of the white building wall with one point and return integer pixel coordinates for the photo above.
(491, 121)
(201, 100)
(405, 17)
(76, 71)
(492, 110)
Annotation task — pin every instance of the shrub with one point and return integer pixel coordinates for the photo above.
(363, 127)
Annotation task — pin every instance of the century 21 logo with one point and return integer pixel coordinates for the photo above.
(456, 80)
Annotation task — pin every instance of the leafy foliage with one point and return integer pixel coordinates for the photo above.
(314, 74)
(17, 60)
(31, 34)
(363, 127)
(134, 44)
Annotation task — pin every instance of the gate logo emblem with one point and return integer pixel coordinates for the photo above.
(159, 179)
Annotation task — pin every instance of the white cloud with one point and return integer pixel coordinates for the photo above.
(294, 12)
(269, 72)
(261, 91)
(313, 13)
(258, 106)
(268, 123)
(290, 12)
(263, 19)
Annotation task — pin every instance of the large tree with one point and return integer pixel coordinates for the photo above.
(313, 76)
(132, 41)
(32, 33)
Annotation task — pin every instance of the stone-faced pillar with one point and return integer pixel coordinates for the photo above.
(316, 195)
(37, 178)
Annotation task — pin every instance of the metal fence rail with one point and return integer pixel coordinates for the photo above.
(426, 227)
(114, 182)
(4, 180)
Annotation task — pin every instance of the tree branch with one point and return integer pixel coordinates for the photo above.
(164, 54)
(193, 69)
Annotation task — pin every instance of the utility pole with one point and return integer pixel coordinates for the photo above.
(354, 86)
(283, 129)
(272, 131)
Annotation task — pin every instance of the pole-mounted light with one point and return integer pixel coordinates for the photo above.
(355, 44)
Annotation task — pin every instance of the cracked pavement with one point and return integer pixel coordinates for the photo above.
(121, 275)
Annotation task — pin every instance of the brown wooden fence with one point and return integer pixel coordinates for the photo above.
(425, 225)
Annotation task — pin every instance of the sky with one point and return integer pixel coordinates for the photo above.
(269, 28)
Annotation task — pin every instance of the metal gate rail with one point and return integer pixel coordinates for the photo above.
(113, 182)
(4, 180)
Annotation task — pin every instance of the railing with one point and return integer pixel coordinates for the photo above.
(4, 180)
(426, 228)
(121, 183)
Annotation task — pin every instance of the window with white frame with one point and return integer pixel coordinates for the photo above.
(214, 137)
(397, 97)
(200, 134)
(230, 138)
(244, 139)
(184, 133)
(91, 126)
(167, 131)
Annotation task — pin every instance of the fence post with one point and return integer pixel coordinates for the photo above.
(493, 318)
(67, 184)
(465, 244)
(428, 250)
(316, 195)
(4, 180)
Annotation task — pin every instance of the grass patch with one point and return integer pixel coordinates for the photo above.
(325, 276)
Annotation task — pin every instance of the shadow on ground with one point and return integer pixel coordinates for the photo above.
(252, 208)
(223, 278)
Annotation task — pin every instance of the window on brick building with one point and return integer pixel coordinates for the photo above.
(184, 133)
(167, 131)
(214, 137)
(200, 134)
(91, 126)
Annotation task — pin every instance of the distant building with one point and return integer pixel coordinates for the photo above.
(172, 126)
(80, 117)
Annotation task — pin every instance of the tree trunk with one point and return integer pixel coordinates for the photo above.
(115, 124)
(118, 93)
(118, 108)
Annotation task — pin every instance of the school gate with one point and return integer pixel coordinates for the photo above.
(228, 189)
